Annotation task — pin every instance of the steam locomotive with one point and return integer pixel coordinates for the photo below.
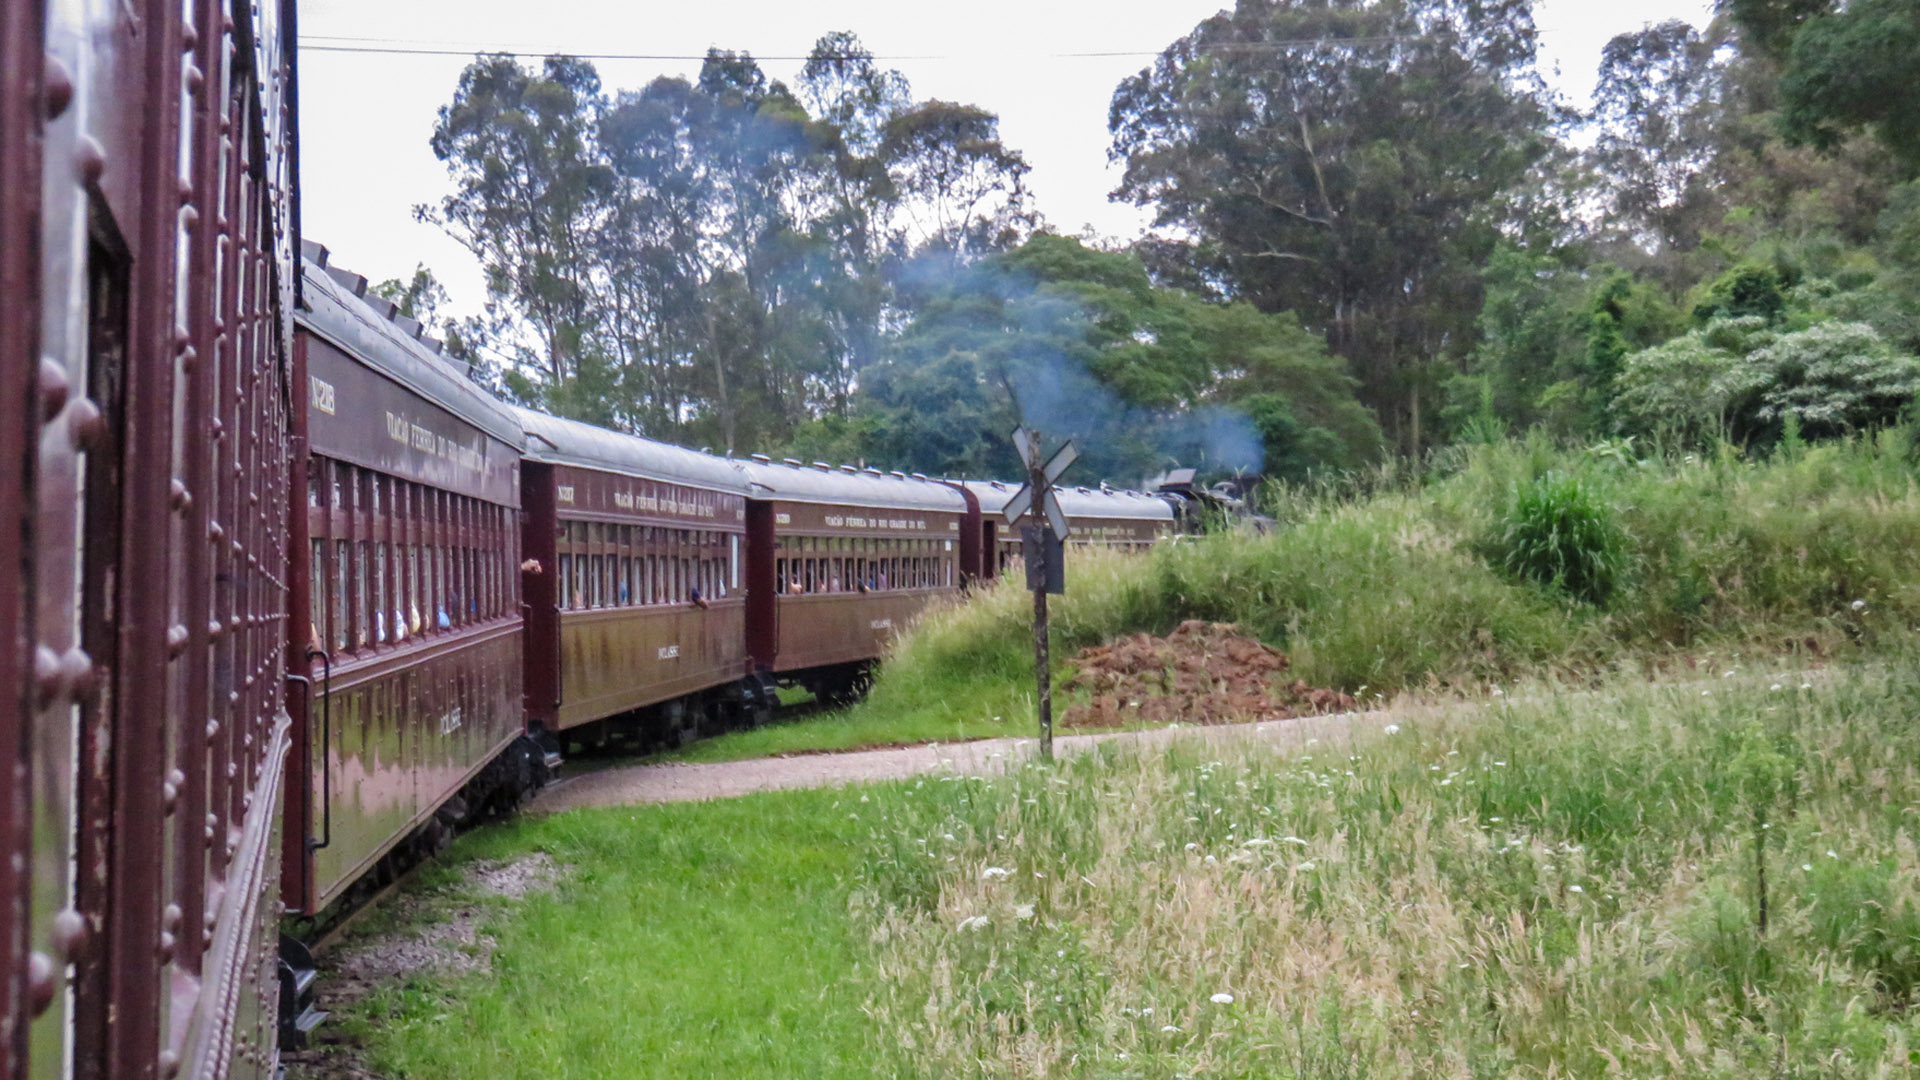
(288, 598)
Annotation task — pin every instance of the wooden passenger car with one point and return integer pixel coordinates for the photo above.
(635, 600)
(405, 569)
(145, 279)
(840, 560)
(1100, 517)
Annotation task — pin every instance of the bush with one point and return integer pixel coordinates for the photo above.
(1559, 532)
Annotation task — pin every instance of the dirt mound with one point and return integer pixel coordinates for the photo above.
(1202, 673)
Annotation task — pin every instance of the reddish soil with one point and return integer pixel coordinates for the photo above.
(1202, 673)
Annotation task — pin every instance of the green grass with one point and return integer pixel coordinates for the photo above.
(1551, 884)
(1393, 589)
(687, 940)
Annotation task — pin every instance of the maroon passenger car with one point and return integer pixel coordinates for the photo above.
(1100, 517)
(405, 570)
(145, 202)
(636, 615)
(840, 559)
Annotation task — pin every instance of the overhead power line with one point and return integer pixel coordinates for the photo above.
(393, 47)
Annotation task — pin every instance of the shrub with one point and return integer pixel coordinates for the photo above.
(1559, 532)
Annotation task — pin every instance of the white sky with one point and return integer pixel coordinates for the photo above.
(366, 117)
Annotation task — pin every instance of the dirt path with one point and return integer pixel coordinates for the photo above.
(677, 782)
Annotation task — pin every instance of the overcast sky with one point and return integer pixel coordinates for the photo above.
(366, 116)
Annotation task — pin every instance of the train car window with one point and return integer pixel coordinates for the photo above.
(594, 560)
(382, 564)
(733, 559)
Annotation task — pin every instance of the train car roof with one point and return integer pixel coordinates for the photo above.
(847, 486)
(1079, 502)
(570, 442)
(372, 332)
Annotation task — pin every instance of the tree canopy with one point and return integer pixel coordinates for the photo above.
(1374, 231)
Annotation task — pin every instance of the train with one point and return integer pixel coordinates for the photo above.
(291, 599)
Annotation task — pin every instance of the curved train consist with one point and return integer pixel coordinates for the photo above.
(289, 598)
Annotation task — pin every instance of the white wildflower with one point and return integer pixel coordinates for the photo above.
(972, 922)
(1211, 859)
(1169, 1027)
(1497, 692)
(1221, 999)
(1391, 729)
(1023, 911)
(995, 873)
(1308, 865)
(1831, 855)
(1806, 866)
(1858, 605)
(1775, 688)
(947, 836)
(1575, 889)
(1258, 841)
(1191, 845)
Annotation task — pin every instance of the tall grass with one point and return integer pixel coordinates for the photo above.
(1546, 884)
(1566, 887)
(1376, 584)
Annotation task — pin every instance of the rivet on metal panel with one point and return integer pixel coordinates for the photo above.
(213, 729)
(214, 629)
(219, 429)
(189, 37)
(47, 683)
(215, 532)
(53, 387)
(69, 936)
(238, 548)
(76, 669)
(189, 216)
(85, 425)
(176, 639)
(179, 497)
(169, 1065)
(58, 87)
(170, 791)
(42, 983)
(186, 196)
(195, 80)
(233, 697)
(170, 918)
(90, 159)
(189, 357)
(166, 947)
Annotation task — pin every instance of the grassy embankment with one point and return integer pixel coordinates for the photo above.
(1377, 595)
(1552, 884)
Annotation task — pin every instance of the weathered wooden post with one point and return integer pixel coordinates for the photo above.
(1043, 545)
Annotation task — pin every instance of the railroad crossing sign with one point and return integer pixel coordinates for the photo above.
(1022, 500)
(1042, 546)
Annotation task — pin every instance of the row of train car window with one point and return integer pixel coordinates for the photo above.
(1009, 549)
(603, 565)
(837, 564)
(395, 560)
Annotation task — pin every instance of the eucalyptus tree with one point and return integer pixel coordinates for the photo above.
(1350, 160)
(530, 193)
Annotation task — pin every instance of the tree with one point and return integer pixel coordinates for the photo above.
(420, 297)
(1854, 69)
(529, 192)
(962, 191)
(1079, 342)
(1659, 111)
(1351, 160)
